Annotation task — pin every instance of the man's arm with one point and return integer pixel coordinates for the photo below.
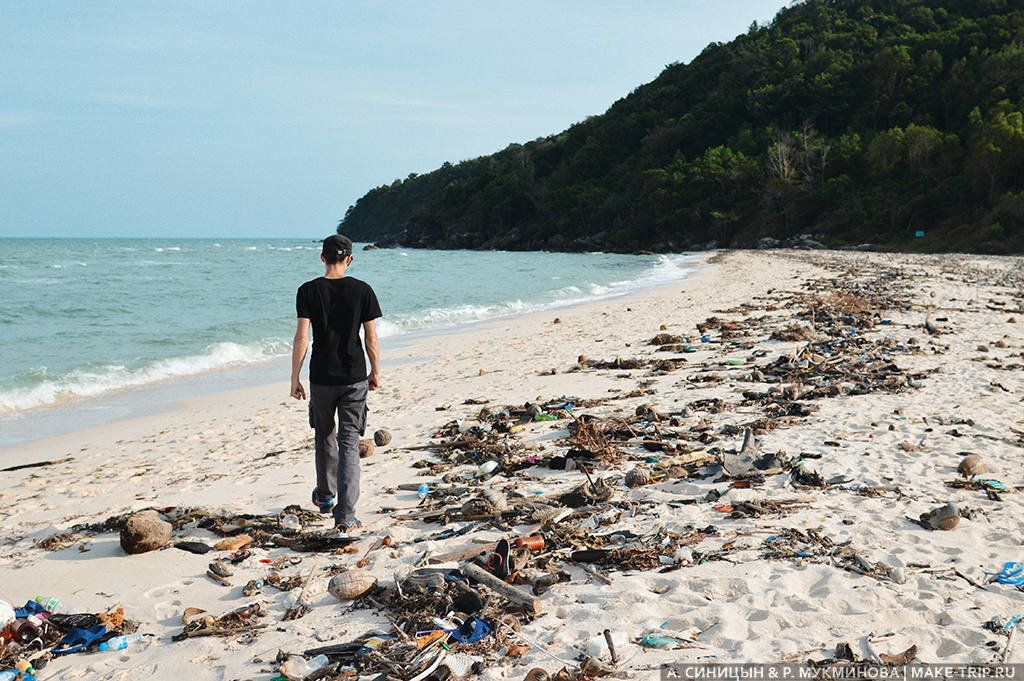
(299, 345)
(373, 352)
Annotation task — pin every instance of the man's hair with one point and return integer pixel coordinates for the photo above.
(336, 248)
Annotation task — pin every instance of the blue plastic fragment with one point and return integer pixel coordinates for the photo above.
(1013, 573)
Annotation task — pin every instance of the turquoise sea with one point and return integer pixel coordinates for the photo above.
(85, 324)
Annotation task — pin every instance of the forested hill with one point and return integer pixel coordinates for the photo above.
(851, 120)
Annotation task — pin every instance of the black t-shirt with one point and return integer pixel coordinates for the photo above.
(336, 308)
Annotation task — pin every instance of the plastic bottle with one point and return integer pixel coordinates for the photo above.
(423, 490)
(11, 674)
(597, 646)
(291, 522)
(25, 667)
(486, 468)
(6, 612)
(297, 667)
(120, 642)
(55, 605)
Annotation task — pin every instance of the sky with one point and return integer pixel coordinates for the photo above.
(269, 119)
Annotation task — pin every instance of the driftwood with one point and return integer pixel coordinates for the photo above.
(463, 553)
(35, 465)
(685, 459)
(514, 594)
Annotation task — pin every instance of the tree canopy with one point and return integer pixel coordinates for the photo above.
(853, 120)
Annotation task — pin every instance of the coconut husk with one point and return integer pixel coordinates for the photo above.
(972, 465)
(489, 504)
(638, 477)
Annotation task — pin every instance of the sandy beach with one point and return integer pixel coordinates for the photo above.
(864, 416)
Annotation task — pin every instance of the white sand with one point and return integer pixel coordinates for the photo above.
(250, 452)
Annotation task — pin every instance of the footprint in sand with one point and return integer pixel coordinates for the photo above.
(171, 607)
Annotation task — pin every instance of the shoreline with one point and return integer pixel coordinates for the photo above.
(769, 585)
(403, 351)
(150, 400)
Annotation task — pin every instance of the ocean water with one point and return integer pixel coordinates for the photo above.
(84, 320)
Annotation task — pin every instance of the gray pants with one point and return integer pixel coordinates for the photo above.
(337, 442)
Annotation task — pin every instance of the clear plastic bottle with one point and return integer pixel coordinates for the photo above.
(120, 642)
(55, 605)
(317, 663)
(486, 468)
(297, 667)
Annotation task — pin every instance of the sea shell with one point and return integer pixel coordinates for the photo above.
(351, 584)
(382, 437)
(972, 465)
(365, 449)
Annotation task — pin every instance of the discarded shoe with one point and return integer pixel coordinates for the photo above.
(79, 639)
(499, 562)
(323, 504)
(471, 631)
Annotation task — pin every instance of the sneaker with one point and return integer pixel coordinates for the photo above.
(349, 526)
(325, 505)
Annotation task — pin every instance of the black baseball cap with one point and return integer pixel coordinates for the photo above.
(337, 244)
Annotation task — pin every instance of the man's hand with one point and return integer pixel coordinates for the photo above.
(373, 380)
(298, 392)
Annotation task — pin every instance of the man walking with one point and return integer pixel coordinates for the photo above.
(336, 306)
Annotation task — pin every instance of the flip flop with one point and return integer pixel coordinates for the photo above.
(1013, 573)
(499, 563)
(991, 484)
(79, 639)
